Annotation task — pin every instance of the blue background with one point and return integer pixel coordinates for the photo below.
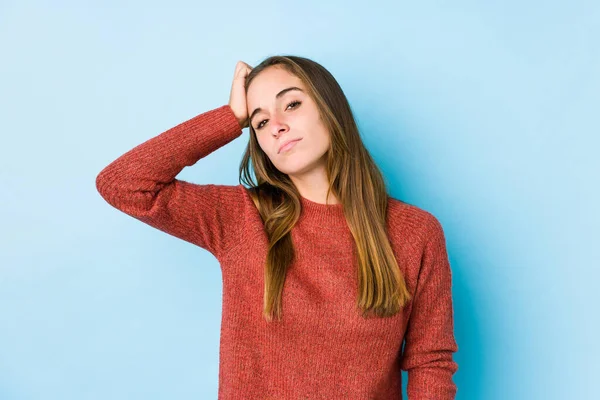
(485, 115)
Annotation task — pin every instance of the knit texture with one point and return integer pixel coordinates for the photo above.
(323, 348)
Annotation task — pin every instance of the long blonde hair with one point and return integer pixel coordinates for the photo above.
(353, 178)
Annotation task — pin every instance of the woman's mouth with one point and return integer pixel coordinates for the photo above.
(289, 145)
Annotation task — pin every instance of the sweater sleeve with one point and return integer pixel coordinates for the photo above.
(142, 183)
(429, 339)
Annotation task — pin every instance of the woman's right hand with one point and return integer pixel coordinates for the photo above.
(237, 96)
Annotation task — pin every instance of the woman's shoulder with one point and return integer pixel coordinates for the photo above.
(405, 217)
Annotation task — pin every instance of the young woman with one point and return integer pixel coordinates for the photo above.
(330, 286)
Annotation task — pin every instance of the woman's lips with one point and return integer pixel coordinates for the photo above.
(289, 145)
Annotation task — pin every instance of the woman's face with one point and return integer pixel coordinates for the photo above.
(291, 116)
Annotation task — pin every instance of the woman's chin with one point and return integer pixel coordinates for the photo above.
(291, 166)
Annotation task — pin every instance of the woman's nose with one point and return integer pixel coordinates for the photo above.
(278, 127)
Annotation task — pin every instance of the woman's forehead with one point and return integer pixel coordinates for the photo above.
(267, 89)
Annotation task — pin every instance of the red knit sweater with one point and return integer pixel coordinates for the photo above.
(322, 348)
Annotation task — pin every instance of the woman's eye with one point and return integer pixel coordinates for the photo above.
(294, 103)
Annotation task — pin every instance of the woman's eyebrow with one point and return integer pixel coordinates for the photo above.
(277, 96)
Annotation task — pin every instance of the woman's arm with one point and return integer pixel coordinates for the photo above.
(142, 183)
(429, 340)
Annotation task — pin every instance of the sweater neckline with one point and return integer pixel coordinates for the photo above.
(322, 215)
